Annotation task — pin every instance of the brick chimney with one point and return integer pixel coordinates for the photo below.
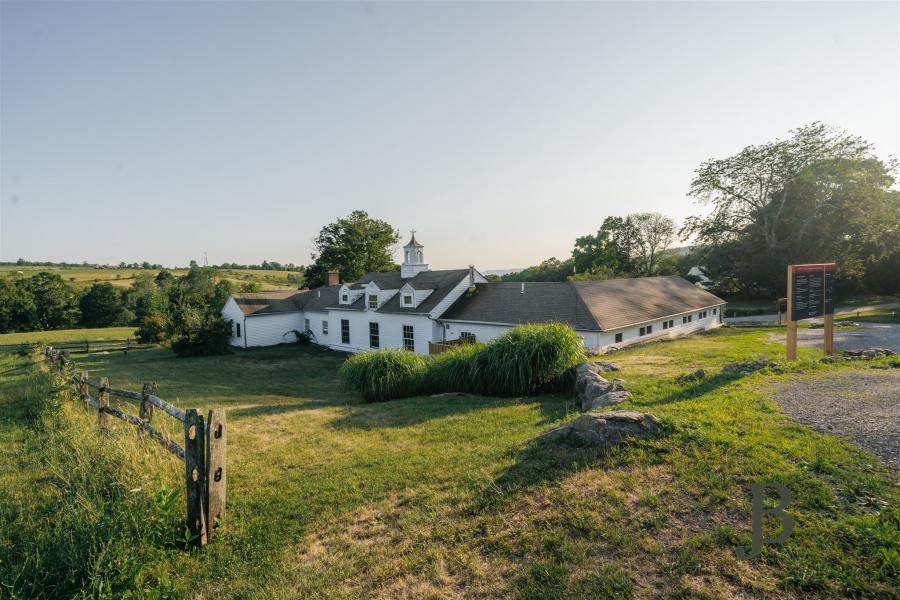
(333, 278)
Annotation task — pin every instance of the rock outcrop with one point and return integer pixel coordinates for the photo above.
(601, 428)
(867, 353)
(593, 391)
(745, 367)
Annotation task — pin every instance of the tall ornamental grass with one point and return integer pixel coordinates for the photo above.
(528, 359)
(454, 370)
(384, 375)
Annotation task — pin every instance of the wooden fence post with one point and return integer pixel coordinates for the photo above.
(195, 479)
(103, 400)
(216, 472)
(146, 407)
(83, 386)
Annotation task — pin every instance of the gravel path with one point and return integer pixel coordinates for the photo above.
(863, 407)
(868, 335)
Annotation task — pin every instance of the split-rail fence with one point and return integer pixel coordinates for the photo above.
(203, 453)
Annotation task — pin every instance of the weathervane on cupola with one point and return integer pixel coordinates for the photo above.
(413, 258)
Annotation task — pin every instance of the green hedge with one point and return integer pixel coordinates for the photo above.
(525, 360)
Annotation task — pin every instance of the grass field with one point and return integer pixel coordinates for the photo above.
(449, 497)
(67, 335)
(81, 277)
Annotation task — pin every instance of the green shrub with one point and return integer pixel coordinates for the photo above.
(152, 329)
(208, 335)
(384, 374)
(528, 359)
(454, 370)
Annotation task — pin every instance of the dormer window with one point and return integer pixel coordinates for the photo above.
(345, 298)
(373, 301)
(407, 299)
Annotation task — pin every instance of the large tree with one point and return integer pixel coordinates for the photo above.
(654, 234)
(817, 196)
(55, 305)
(354, 245)
(101, 306)
(629, 246)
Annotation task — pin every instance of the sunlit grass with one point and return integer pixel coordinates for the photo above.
(450, 496)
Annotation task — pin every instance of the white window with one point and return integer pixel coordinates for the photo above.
(237, 329)
(373, 301)
(374, 340)
(345, 298)
(715, 311)
(643, 331)
(649, 329)
(306, 325)
(324, 327)
(407, 299)
(345, 331)
(618, 338)
(671, 323)
(409, 341)
(665, 324)
(467, 336)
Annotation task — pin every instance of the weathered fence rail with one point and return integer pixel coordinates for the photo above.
(83, 347)
(205, 443)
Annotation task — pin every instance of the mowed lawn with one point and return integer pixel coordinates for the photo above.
(450, 496)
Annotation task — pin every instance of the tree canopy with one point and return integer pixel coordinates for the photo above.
(819, 196)
(354, 245)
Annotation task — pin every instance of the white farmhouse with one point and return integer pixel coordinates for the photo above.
(414, 306)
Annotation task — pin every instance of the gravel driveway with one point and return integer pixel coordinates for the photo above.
(868, 335)
(861, 406)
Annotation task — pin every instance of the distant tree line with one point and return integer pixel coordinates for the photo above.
(265, 266)
(182, 311)
(637, 245)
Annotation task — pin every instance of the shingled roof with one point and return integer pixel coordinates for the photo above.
(258, 303)
(585, 305)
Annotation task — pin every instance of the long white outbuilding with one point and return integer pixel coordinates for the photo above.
(414, 306)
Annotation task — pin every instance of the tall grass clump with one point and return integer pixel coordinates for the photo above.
(454, 370)
(384, 374)
(528, 359)
(83, 514)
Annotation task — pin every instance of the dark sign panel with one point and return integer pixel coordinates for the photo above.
(812, 291)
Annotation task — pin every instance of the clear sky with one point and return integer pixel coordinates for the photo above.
(499, 131)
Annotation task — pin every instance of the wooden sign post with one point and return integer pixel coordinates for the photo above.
(781, 308)
(810, 294)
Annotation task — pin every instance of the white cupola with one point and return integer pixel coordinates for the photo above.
(413, 258)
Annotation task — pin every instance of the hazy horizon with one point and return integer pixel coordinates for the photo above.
(499, 132)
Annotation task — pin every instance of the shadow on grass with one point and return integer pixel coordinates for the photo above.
(545, 462)
(263, 410)
(408, 412)
(695, 389)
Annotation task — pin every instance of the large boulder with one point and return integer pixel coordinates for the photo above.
(597, 429)
(593, 391)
